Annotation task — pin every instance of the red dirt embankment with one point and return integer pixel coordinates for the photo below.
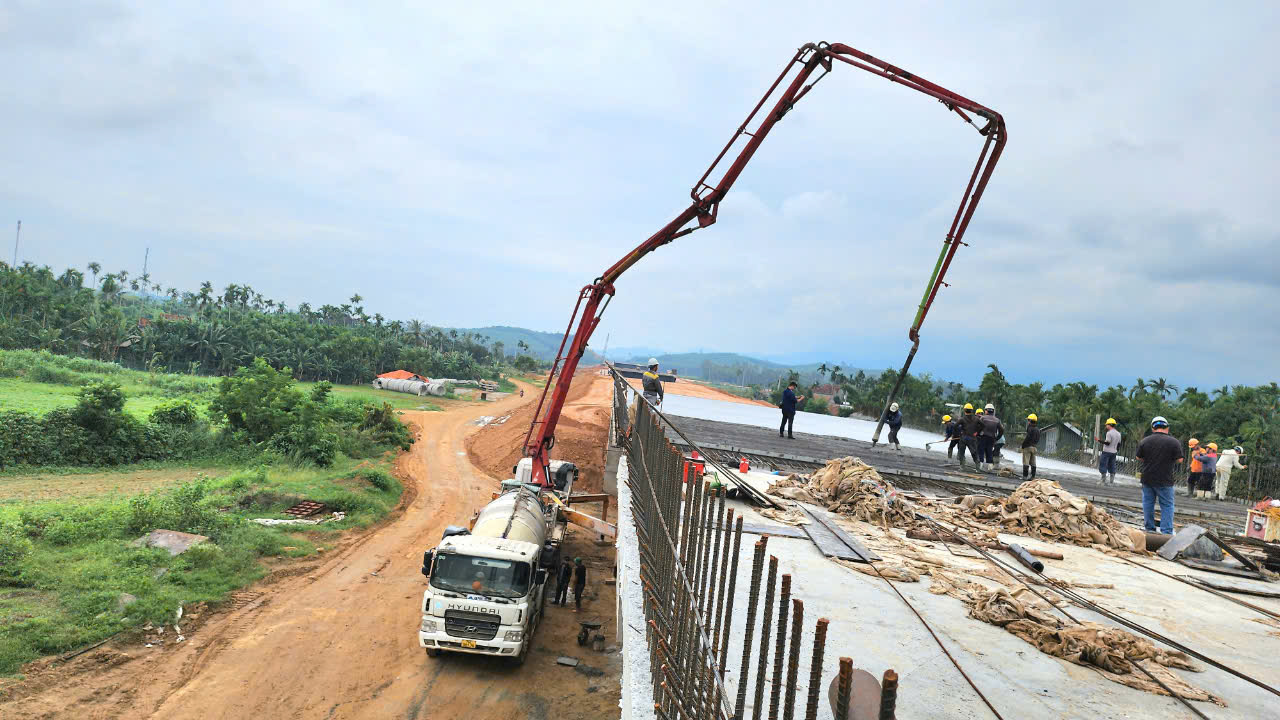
(580, 435)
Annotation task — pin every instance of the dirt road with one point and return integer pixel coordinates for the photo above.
(337, 638)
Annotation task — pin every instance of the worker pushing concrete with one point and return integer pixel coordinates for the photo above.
(1229, 460)
(951, 431)
(652, 385)
(992, 430)
(970, 426)
(1159, 452)
(1110, 446)
(893, 418)
(1029, 442)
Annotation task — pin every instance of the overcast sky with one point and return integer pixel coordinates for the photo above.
(476, 165)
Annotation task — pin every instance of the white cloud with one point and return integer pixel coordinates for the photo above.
(510, 152)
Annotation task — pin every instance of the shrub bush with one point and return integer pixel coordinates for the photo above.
(15, 546)
(175, 412)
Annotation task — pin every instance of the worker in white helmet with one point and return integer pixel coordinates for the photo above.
(893, 418)
(652, 385)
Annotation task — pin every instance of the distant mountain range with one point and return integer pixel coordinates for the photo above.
(732, 368)
(542, 345)
(725, 367)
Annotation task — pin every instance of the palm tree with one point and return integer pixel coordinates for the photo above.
(1162, 387)
(95, 268)
(1139, 387)
(1221, 392)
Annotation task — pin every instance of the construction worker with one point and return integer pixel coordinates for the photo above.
(789, 402)
(579, 582)
(970, 426)
(1110, 446)
(1159, 452)
(562, 582)
(652, 385)
(950, 431)
(1229, 460)
(1029, 442)
(1208, 459)
(992, 429)
(1193, 470)
(893, 418)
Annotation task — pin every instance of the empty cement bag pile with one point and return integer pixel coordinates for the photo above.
(1113, 652)
(850, 487)
(1043, 509)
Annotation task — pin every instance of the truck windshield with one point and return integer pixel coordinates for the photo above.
(481, 575)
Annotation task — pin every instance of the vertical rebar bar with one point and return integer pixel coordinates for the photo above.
(888, 695)
(709, 590)
(775, 693)
(815, 668)
(843, 689)
(724, 565)
(766, 622)
(793, 658)
(757, 565)
(728, 603)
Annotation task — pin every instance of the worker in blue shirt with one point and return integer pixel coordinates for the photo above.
(789, 401)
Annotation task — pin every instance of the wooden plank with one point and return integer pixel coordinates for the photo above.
(1218, 567)
(820, 516)
(1225, 587)
(827, 542)
(786, 531)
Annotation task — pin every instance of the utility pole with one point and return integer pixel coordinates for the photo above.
(16, 237)
(145, 257)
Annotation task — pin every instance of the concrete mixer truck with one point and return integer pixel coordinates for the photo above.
(487, 584)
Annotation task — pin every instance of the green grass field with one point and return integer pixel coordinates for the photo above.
(40, 382)
(65, 532)
(398, 400)
(65, 563)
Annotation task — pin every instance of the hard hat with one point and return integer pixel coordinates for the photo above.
(1192, 442)
(1238, 450)
(946, 418)
(577, 560)
(1213, 446)
(979, 411)
(893, 407)
(991, 408)
(1159, 422)
(968, 406)
(1032, 417)
(1112, 421)
(653, 361)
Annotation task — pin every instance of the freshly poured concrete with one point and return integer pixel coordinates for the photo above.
(854, 428)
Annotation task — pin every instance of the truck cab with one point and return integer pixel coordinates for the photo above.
(486, 585)
(484, 596)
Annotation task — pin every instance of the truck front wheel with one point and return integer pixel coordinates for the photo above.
(518, 660)
(433, 652)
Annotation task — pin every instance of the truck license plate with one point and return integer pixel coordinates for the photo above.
(468, 643)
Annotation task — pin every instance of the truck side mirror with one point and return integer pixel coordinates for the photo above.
(427, 558)
(540, 577)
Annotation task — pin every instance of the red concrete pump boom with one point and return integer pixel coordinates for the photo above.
(705, 204)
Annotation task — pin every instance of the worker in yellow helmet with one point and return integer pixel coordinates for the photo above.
(1110, 446)
(970, 426)
(951, 431)
(1029, 442)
